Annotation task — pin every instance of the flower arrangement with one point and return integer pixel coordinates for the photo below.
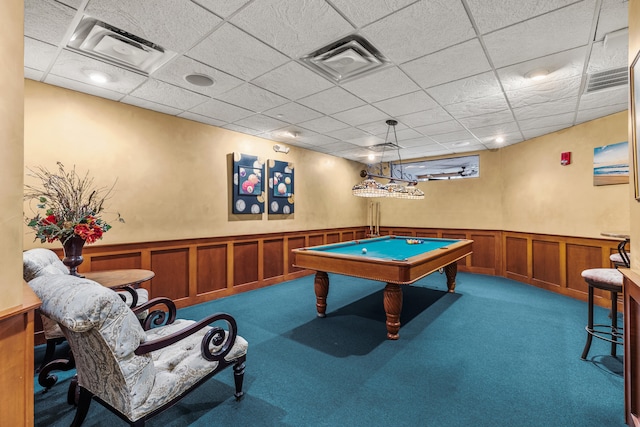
(67, 205)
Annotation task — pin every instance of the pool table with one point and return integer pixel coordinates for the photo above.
(396, 260)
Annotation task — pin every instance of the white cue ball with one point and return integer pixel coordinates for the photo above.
(364, 250)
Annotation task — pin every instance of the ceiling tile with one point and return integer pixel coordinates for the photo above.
(478, 86)
(202, 119)
(478, 106)
(436, 24)
(560, 65)
(293, 113)
(439, 128)
(564, 120)
(614, 15)
(462, 135)
(46, 20)
(38, 55)
(143, 103)
(164, 93)
(175, 25)
(252, 98)
(423, 141)
(387, 83)
(619, 95)
(78, 67)
(82, 87)
(348, 134)
(241, 129)
(221, 110)
(550, 108)
(405, 104)
(222, 8)
(362, 12)
(427, 117)
(533, 133)
(491, 15)
(293, 81)
(493, 118)
(456, 62)
(367, 140)
(237, 53)
(332, 100)
(293, 27)
(493, 131)
(564, 29)
(361, 115)
(323, 125)
(595, 113)
(32, 74)
(313, 138)
(546, 91)
(605, 58)
(176, 71)
(261, 123)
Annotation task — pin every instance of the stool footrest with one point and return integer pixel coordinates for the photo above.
(606, 333)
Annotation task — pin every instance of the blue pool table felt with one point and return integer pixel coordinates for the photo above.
(386, 248)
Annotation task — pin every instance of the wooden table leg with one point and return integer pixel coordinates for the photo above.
(451, 270)
(393, 308)
(321, 286)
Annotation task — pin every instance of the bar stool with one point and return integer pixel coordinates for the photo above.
(607, 279)
(621, 259)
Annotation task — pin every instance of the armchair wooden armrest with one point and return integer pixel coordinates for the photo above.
(216, 335)
(156, 317)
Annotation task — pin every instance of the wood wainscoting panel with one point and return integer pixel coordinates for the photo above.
(347, 236)
(516, 258)
(171, 267)
(580, 258)
(294, 243)
(316, 240)
(333, 238)
(360, 234)
(273, 253)
(245, 262)
(631, 328)
(545, 259)
(116, 261)
(211, 268)
(486, 253)
(429, 234)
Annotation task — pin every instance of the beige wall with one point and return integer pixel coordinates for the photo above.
(173, 173)
(524, 188)
(542, 196)
(11, 116)
(634, 48)
(173, 176)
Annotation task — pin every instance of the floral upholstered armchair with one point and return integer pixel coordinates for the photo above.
(128, 365)
(134, 372)
(39, 262)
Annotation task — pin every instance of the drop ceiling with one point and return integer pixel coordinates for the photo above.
(454, 75)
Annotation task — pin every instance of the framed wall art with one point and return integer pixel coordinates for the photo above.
(634, 83)
(611, 164)
(281, 189)
(248, 188)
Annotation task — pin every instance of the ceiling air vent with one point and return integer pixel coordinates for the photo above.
(607, 79)
(110, 44)
(346, 59)
(384, 146)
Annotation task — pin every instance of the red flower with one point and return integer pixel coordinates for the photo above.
(50, 220)
(89, 232)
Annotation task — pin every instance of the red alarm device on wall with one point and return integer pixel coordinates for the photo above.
(565, 158)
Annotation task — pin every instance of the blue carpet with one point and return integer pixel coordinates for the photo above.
(495, 353)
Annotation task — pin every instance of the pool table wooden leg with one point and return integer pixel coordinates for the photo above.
(393, 307)
(321, 286)
(451, 270)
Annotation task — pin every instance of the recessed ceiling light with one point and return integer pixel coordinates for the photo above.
(98, 76)
(499, 140)
(199, 80)
(460, 144)
(371, 157)
(537, 74)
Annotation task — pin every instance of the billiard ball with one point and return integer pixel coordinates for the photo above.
(247, 187)
(253, 178)
(364, 250)
(282, 188)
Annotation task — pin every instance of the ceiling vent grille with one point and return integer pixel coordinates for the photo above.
(110, 44)
(384, 146)
(346, 59)
(607, 79)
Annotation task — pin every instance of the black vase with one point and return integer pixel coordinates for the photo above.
(73, 254)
